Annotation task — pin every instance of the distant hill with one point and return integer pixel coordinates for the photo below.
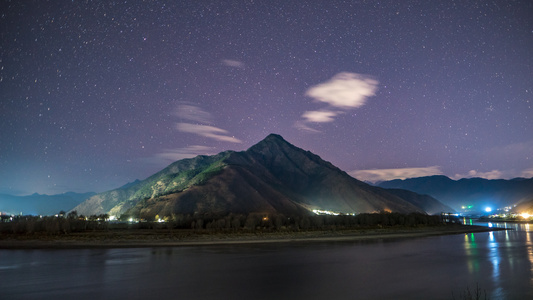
(525, 205)
(476, 192)
(272, 176)
(426, 202)
(37, 204)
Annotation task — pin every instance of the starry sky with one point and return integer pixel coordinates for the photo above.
(95, 94)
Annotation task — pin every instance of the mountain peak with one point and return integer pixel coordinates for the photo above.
(271, 176)
(272, 143)
(274, 136)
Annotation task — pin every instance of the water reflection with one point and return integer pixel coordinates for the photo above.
(509, 252)
(469, 222)
(529, 246)
(501, 262)
(495, 258)
(471, 252)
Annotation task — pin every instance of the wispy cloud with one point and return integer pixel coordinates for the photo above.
(494, 174)
(196, 114)
(233, 63)
(196, 121)
(168, 156)
(377, 175)
(211, 132)
(301, 125)
(319, 116)
(193, 113)
(527, 173)
(172, 155)
(343, 92)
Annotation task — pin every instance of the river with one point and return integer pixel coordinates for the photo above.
(500, 263)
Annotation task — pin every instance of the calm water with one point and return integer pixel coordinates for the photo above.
(422, 268)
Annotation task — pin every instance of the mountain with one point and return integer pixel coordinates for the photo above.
(272, 176)
(37, 204)
(475, 192)
(426, 202)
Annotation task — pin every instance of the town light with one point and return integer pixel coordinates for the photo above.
(488, 209)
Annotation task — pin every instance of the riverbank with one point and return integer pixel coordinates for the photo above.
(175, 238)
(504, 220)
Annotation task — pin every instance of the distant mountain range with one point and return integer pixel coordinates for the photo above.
(475, 194)
(272, 176)
(37, 204)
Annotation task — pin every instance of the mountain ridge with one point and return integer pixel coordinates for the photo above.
(272, 176)
(477, 192)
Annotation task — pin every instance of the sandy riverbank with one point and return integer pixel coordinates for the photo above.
(175, 238)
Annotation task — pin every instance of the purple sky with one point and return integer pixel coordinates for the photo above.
(95, 95)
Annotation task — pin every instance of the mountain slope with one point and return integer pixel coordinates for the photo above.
(175, 178)
(476, 192)
(271, 176)
(426, 202)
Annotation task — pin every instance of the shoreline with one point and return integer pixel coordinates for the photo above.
(176, 238)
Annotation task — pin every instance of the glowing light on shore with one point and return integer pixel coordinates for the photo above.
(325, 212)
(525, 215)
(331, 213)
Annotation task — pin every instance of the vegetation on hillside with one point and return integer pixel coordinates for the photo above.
(271, 176)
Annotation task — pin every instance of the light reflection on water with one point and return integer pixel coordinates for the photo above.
(511, 254)
(500, 262)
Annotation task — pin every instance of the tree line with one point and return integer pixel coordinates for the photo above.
(276, 222)
(211, 222)
(59, 224)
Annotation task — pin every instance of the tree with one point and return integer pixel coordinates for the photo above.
(72, 215)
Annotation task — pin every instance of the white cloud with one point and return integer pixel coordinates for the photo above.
(208, 131)
(319, 116)
(494, 174)
(186, 152)
(302, 126)
(198, 115)
(233, 63)
(197, 122)
(344, 90)
(527, 173)
(377, 175)
(193, 113)
(390, 174)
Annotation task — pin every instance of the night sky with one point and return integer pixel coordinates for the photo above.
(95, 94)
